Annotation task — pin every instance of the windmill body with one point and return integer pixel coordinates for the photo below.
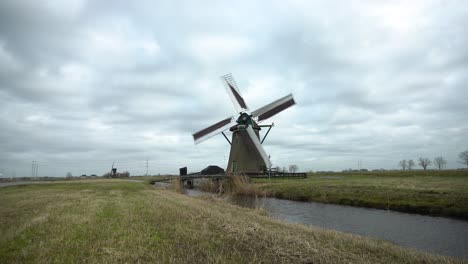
(247, 154)
(244, 156)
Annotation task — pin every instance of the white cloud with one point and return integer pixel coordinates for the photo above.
(403, 18)
(151, 47)
(72, 72)
(65, 9)
(97, 125)
(38, 119)
(219, 48)
(118, 44)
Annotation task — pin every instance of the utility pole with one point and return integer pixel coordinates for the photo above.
(33, 168)
(146, 167)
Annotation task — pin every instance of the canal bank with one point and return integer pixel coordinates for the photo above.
(436, 235)
(436, 193)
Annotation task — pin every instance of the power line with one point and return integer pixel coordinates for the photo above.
(34, 168)
(146, 167)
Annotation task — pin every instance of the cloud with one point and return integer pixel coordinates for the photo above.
(218, 48)
(84, 83)
(8, 64)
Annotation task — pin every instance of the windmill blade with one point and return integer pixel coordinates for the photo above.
(274, 108)
(258, 146)
(234, 94)
(213, 130)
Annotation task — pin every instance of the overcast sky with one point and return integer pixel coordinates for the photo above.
(87, 83)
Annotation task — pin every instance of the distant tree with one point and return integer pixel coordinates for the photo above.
(440, 162)
(424, 162)
(293, 168)
(403, 164)
(284, 169)
(124, 174)
(69, 175)
(410, 164)
(463, 156)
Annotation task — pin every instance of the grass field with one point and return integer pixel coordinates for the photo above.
(110, 221)
(432, 192)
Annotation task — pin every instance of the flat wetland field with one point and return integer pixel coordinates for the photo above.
(115, 221)
(440, 193)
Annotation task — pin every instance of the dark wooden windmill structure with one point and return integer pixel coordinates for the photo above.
(247, 154)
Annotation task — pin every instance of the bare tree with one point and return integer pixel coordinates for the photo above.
(293, 168)
(403, 164)
(69, 175)
(463, 156)
(410, 164)
(440, 162)
(424, 162)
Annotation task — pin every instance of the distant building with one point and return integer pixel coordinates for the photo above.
(212, 169)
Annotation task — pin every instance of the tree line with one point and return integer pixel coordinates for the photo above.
(439, 162)
(293, 168)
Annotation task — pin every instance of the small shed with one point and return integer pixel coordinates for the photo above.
(212, 169)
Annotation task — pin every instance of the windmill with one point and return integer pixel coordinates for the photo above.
(113, 171)
(247, 154)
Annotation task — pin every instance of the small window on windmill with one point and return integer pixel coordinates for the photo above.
(234, 166)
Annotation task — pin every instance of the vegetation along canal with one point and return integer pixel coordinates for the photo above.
(438, 235)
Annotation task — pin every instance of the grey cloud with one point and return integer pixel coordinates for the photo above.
(88, 82)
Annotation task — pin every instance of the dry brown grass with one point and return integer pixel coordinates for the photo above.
(117, 222)
(208, 185)
(177, 185)
(240, 184)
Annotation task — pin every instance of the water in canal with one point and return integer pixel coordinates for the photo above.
(437, 235)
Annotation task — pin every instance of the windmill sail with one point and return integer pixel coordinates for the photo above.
(213, 130)
(234, 94)
(274, 108)
(258, 146)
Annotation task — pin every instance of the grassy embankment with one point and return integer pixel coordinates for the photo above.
(149, 179)
(109, 221)
(433, 192)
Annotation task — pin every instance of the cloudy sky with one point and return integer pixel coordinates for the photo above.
(87, 83)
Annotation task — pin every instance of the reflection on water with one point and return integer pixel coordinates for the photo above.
(248, 201)
(433, 234)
